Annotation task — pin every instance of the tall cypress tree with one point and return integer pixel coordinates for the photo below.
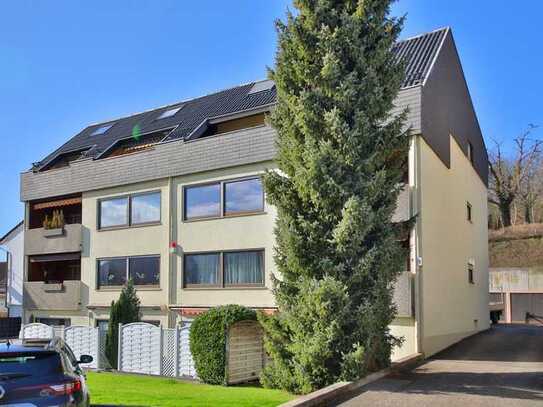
(341, 156)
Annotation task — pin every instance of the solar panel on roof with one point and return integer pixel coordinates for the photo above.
(169, 113)
(101, 130)
(261, 86)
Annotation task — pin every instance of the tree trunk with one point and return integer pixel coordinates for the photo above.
(528, 218)
(505, 211)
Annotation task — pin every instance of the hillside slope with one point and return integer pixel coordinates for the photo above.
(516, 246)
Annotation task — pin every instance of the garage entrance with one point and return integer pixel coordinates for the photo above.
(527, 308)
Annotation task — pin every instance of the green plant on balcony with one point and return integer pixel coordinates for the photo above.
(56, 221)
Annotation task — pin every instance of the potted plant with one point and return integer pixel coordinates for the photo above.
(54, 226)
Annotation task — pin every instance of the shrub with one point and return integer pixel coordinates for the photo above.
(208, 340)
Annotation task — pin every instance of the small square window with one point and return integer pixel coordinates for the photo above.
(169, 113)
(101, 130)
(470, 274)
(469, 212)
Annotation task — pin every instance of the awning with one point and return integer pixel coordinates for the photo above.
(42, 258)
(194, 311)
(58, 203)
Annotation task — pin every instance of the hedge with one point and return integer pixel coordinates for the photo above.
(208, 340)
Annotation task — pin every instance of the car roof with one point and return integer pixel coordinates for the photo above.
(30, 346)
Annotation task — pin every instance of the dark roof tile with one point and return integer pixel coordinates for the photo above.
(418, 53)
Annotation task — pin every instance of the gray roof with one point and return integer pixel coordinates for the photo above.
(418, 53)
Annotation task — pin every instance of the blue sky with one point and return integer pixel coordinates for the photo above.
(66, 64)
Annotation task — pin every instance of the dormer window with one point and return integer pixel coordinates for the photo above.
(64, 160)
(101, 129)
(213, 127)
(135, 144)
(169, 113)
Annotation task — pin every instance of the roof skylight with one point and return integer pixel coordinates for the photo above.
(261, 86)
(101, 129)
(169, 113)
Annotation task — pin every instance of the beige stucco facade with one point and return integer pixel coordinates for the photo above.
(223, 234)
(449, 306)
(122, 242)
(446, 306)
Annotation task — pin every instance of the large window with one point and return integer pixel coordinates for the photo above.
(202, 269)
(114, 212)
(115, 272)
(145, 208)
(244, 196)
(225, 269)
(203, 201)
(227, 198)
(138, 209)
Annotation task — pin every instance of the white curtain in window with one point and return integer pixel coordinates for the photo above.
(244, 268)
(202, 269)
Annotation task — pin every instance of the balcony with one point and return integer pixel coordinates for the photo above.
(65, 296)
(52, 241)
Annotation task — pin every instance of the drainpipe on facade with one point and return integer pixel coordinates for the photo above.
(172, 258)
(417, 238)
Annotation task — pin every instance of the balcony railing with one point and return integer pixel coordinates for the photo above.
(51, 241)
(65, 296)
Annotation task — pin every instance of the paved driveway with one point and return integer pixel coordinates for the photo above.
(498, 368)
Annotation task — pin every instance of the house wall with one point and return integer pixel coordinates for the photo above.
(128, 241)
(14, 244)
(233, 233)
(404, 328)
(451, 308)
(446, 108)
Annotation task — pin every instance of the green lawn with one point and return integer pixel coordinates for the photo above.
(132, 390)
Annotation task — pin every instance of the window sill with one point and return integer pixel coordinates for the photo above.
(241, 215)
(137, 287)
(107, 229)
(229, 288)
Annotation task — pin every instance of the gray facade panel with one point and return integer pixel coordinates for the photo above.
(403, 295)
(410, 98)
(165, 160)
(175, 158)
(447, 109)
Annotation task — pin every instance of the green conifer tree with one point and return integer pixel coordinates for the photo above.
(123, 311)
(341, 157)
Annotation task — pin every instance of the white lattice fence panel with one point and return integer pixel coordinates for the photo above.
(37, 331)
(140, 348)
(169, 352)
(83, 340)
(59, 330)
(186, 363)
(103, 361)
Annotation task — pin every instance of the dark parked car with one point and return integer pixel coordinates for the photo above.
(42, 373)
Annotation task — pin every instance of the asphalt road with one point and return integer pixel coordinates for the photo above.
(502, 367)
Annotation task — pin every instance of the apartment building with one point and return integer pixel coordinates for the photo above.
(172, 198)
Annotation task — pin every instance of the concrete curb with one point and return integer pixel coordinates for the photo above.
(336, 390)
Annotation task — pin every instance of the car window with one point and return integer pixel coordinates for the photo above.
(30, 362)
(69, 357)
(70, 354)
